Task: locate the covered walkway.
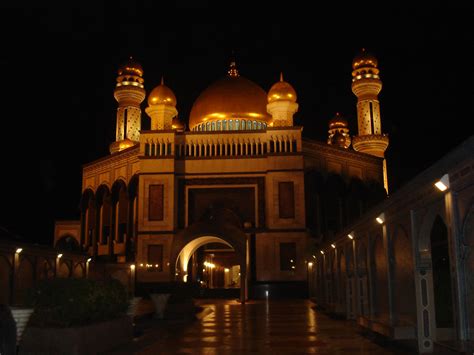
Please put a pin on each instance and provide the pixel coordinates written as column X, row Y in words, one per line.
column 260, row 327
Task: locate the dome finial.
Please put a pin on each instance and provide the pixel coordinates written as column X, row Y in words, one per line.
column 281, row 76
column 233, row 72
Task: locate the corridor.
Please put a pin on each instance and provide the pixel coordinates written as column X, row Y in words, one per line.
column 259, row 327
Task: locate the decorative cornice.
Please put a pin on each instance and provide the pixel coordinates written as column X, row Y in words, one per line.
column 314, row 147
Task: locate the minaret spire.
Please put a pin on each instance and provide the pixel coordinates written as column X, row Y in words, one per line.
column 366, row 85
column 129, row 93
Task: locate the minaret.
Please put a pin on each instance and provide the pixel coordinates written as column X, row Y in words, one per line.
column 129, row 93
column 366, row 85
column 339, row 132
column 161, row 107
column 282, row 103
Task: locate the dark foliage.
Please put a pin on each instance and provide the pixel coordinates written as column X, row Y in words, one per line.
column 75, row 302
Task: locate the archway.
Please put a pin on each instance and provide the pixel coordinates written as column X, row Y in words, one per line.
column 468, row 241
column 202, row 233
column 440, row 260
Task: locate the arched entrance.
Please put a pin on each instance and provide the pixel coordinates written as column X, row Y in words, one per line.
column 201, row 233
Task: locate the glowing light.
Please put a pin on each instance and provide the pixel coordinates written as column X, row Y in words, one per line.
column 333, row 246
column 310, row 264
column 291, row 261
column 266, row 293
column 18, row 251
column 293, row 267
column 443, row 183
column 322, row 252
column 314, row 256
column 60, row 256
column 141, row 265
column 226, row 270
column 350, row 236
column 156, row 265
column 89, row 260
column 380, row 218
column 132, row 267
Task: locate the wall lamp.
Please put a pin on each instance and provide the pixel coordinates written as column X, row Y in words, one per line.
column 333, row 246
column 443, row 183
column 350, row 236
column 381, row 218
column 18, row 251
column 60, row 256
column 322, row 252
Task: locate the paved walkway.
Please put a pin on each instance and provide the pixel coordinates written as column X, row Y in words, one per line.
column 259, row 327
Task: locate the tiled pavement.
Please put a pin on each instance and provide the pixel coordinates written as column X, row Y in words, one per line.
column 258, row 327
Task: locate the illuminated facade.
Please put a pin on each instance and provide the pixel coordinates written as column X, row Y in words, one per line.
column 241, row 180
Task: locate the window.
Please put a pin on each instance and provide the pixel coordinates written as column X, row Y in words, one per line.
column 287, row 256
column 155, row 203
column 286, row 199
column 155, row 257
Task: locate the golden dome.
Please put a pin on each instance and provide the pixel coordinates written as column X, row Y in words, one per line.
column 281, row 91
column 231, row 97
column 364, row 59
column 162, row 95
column 131, row 67
column 338, row 122
column 177, row 124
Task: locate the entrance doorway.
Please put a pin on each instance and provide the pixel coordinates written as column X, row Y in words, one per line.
column 214, row 257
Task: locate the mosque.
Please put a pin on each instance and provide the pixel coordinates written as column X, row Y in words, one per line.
column 237, row 198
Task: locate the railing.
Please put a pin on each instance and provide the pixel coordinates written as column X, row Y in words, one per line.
column 221, row 145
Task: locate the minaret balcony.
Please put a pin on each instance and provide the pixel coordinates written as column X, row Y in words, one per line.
column 373, row 144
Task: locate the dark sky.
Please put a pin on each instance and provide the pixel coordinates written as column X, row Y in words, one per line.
column 59, row 61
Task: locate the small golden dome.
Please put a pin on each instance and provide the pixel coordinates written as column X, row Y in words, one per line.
column 177, row 124
column 231, row 97
column 281, row 91
column 131, row 67
column 338, row 122
column 364, row 59
column 162, row 95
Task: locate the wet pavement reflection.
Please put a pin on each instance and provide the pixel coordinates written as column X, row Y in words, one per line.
column 265, row 327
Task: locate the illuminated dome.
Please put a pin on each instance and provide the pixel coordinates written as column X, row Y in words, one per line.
column 364, row 59
column 232, row 102
column 177, row 124
column 338, row 122
column 282, row 91
column 131, row 67
column 162, row 95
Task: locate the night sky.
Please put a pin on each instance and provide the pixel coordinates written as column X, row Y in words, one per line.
column 59, row 63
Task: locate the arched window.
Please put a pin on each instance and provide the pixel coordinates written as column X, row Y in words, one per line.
column 224, row 125
column 213, row 124
column 208, row 126
column 231, row 125
column 254, row 124
column 259, row 125
column 218, row 125
column 249, row 125
column 237, row 124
